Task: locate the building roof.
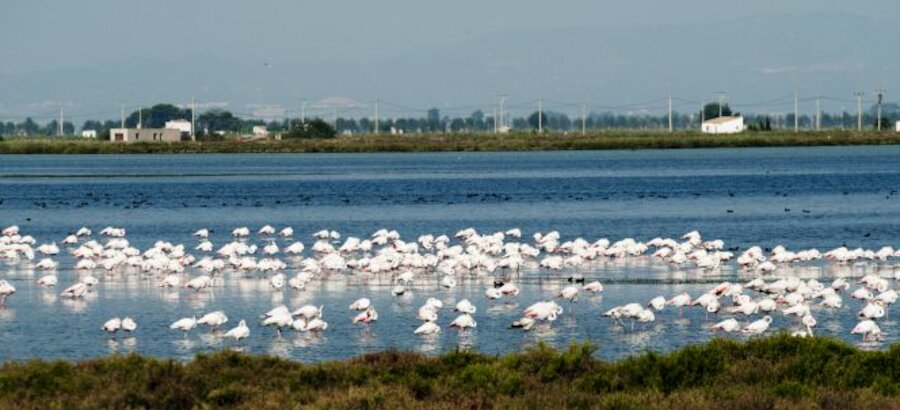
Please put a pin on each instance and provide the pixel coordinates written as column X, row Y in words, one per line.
column 721, row 120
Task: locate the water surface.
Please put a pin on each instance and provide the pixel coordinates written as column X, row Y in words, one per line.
column 798, row 197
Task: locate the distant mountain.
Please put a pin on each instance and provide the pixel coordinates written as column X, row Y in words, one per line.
column 754, row 59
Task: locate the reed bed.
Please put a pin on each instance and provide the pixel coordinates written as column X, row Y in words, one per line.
column 622, row 140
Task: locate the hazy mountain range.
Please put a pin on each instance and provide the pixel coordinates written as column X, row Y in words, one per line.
column 758, row 61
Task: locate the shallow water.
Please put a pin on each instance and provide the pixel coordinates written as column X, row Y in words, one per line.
column 799, row 197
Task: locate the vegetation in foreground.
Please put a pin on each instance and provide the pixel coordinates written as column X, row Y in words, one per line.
column 776, row 372
column 457, row 142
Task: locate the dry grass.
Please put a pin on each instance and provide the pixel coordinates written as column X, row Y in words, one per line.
column 778, row 372
column 460, row 142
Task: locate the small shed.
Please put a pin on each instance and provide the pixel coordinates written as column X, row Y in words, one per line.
column 723, row 125
column 260, row 130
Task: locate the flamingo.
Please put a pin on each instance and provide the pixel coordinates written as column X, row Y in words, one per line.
column 48, row 281
column 464, row 321
column 593, row 287
column 758, row 326
column 241, row 331
column 493, row 293
column 112, row 326
column 199, row 283
column 366, row 317
column 525, row 323
column 361, row 304
column 658, row 303
column 728, row 325
column 278, row 321
column 75, row 291
column 867, row 328
column 213, row 319
column 129, row 325
column 184, row 324
column 308, row 311
column 464, row 306
column 427, row 328
column 315, row 324
column 569, row 293
column 679, row 301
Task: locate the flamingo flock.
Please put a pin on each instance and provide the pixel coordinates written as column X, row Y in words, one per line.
column 499, row 261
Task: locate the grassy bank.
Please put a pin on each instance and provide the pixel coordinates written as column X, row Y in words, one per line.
column 460, row 142
column 777, row 372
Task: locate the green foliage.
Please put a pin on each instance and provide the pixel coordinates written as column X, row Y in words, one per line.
column 312, row 129
column 711, row 110
column 535, row 122
column 218, row 120
column 776, row 372
column 157, row 115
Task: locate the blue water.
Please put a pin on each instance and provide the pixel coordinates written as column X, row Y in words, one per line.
column 798, row 197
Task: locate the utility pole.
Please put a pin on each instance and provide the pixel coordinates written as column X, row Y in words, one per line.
column 880, row 94
column 702, row 114
column 583, row 119
column 540, row 116
column 670, row 113
column 193, row 119
column 60, row 121
column 376, row 116
column 502, row 113
column 140, row 116
column 122, row 114
column 796, row 113
column 495, row 120
column 818, row 114
column 859, row 95
column 303, row 112
column 721, row 101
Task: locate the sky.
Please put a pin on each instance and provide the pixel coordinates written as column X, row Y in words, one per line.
column 44, row 40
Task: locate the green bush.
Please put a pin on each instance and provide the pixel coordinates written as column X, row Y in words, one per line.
column 774, row 372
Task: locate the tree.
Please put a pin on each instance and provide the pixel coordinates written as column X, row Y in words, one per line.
column 51, row 128
column 885, row 123
column 533, row 120
column 457, row 125
column 219, row 120
column 434, row 119
column 92, row 125
column 711, row 110
column 316, row 128
column 29, row 127
column 157, row 115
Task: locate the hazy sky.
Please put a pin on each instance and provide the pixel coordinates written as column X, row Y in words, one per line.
column 41, row 34
column 262, row 58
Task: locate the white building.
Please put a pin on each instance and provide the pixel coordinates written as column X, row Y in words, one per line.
column 723, row 125
column 88, row 133
column 897, row 126
column 129, row 135
column 180, row 125
column 260, row 130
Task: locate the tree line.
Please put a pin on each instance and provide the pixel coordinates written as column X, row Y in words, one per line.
column 213, row 123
